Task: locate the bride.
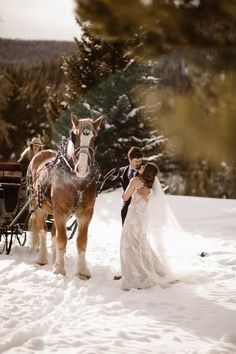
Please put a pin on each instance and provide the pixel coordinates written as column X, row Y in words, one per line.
column 154, row 249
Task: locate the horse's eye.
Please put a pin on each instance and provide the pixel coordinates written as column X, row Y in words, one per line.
column 76, row 131
column 86, row 131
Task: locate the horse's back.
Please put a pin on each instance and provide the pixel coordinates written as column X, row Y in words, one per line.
column 41, row 160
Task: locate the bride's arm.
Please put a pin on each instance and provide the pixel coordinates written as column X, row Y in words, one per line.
column 129, row 190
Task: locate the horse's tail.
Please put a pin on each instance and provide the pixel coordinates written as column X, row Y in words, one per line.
column 34, row 232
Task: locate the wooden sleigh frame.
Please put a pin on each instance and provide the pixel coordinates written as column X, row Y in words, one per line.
column 12, row 199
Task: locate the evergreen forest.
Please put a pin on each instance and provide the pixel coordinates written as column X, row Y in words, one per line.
column 176, row 105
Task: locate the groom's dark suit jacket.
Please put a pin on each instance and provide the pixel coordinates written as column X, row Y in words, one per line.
column 124, row 177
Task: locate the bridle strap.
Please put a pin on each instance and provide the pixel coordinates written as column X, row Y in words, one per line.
column 67, row 163
column 86, row 150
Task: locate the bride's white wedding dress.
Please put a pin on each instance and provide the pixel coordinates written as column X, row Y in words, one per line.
column 154, row 248
column 140, row 266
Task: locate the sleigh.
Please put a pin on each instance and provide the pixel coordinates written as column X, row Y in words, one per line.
column 12, row 200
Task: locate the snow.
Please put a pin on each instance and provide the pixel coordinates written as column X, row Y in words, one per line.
column 48, row 313
column 86, row 105
column 134, row 111
column 146, row 2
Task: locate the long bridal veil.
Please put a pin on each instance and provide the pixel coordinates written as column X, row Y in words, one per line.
column 177, row 249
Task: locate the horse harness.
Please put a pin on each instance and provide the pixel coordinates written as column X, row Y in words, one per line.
column 64, row 166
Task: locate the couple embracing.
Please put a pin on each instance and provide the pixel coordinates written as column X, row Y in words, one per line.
column 141, row 267
column 154, row 248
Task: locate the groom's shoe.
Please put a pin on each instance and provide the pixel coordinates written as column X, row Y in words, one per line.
column 117, row 277
column 203, row 254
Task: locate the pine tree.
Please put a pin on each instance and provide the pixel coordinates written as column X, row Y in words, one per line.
column 102, row 80
column 93, row 61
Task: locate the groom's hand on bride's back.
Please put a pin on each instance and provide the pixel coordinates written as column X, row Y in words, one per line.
column 143, row 192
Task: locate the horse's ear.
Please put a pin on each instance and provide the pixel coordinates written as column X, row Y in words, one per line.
column 74, row 120
column 97, row 123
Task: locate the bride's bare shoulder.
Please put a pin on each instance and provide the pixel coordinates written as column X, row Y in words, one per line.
column 136, row 181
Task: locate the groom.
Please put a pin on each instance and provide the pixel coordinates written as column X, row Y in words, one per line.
column 135, row 157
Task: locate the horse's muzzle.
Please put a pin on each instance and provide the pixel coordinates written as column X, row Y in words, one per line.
column 81, row 172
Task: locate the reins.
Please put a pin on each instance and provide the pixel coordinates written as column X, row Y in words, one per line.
column 105, row 178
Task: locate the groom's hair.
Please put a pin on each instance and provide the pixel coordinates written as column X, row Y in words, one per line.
column 135, row 153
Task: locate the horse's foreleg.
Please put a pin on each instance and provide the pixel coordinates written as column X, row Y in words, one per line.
column 61, row 240
column 43, row 253
column 38, row 228
column 82, row 270
column 32, row 226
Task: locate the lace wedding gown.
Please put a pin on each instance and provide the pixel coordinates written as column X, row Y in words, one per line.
column 140, row 266
column 154, row 247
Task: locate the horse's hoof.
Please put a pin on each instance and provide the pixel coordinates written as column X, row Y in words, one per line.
column 59, row 271
column 83, row 276
column 42, row 262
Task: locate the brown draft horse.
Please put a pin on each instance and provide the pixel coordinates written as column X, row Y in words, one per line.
column 64, row 183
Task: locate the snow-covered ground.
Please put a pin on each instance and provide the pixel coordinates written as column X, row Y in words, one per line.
column 48, row 313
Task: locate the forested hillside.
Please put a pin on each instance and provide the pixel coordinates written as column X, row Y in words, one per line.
column 28, row 69
column 15, row 52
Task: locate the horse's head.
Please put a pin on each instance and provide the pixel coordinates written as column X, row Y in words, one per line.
column 82, row 143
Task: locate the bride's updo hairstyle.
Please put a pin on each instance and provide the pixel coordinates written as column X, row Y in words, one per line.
column 149, row 173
